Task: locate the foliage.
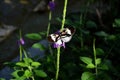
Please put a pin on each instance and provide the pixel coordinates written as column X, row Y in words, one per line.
column 27, row 69
column 92, row 54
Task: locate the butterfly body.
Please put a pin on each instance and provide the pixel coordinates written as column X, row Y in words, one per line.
column 60, row 38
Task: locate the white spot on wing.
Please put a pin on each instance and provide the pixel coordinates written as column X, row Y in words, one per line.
column 68, row 31
column 53, row 36
column 66, row 39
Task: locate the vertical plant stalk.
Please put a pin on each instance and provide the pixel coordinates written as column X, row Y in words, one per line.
column 20, row 46
column 48, row 28
column 20, row 51
column 58, row 63
column 30, row 69
column 33, row 78
column 58, row 49
column 64, row 14
column 95, row 57
column 25, row 54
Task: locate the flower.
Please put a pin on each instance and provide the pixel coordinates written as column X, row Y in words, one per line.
column 21, row 41
column 51, row 5
column 56, row 45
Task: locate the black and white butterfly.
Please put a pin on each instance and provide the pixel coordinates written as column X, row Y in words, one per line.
column 60, row 38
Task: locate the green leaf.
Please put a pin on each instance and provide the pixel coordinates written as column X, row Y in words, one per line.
column 111, row 37
column 14, row 74
column 27, row 60
column 2, row 79
column 38, row 45
column 103, row 67
column 101, row 34
column 116, row 23
column 85, row 32
column 10, row 64
column 90, row 66
column 91, row 24
column 42, row 33
column 98, row 61
column 28, row 73
column 21, row 64
column 86, row 60
column 35, row 64
column 17, row 73
column 40, row 73
column 99, row 51
column 33, row 36
column 87, row 76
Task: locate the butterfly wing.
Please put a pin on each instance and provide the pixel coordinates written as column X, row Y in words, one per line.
column 55, row 38
column 59, row 39
column 67, row 33
column 52, row 37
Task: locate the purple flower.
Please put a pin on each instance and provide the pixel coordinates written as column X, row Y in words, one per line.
column 56, row 45
column 21, row 41
column 51, row 5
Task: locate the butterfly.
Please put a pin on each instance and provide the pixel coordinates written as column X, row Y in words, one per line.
column 59, row 38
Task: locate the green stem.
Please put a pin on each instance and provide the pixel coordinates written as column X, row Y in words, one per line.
column 50, row 17
column 20, row 47
column 29, row 67
column 64, row 14
column 95, row 57
column 48, row 29
column 33, row 78
column 25, row 54
column 58, row 49
column 58, row 63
